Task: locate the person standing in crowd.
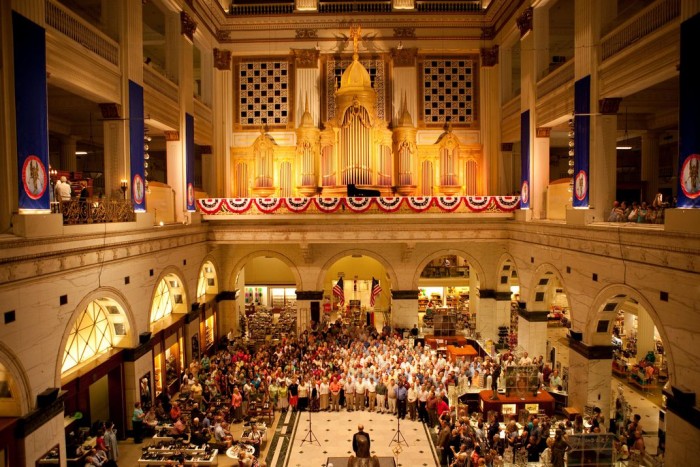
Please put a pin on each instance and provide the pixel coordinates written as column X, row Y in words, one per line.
column 111, row 441
column 381, row 395
column 401, row 396
column 349, row 394
column 137, row 422
column 371, row 387
column 391, row 396
column 334, row 388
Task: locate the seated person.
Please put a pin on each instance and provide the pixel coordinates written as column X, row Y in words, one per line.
column 95, row 458
column 150, row 421
column 244, row 460
column 179, row 429
column 222, row 435
column 255, row 437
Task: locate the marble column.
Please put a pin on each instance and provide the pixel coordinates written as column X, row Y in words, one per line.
column 69, row 161
column 489, row 93
column 222, row 116
column 645, row 333
column 650, row 165
column 486, row 315
column 227, row 311
column 116, row 164
column 540, row 173
column 590, row 376
column 532, row 332
column 404, row 308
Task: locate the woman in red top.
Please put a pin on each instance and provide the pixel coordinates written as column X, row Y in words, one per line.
column 175, row 412
column 236, row 401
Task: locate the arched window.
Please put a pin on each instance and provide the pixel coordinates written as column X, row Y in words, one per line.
column 99, row 328
column 168, row 298
column 9, row 398
column 206, row 284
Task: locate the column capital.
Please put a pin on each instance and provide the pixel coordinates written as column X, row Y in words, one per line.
column 306, row 58
column 609, row 105
column 524, row 22
column 171, row 135
column 591, row 352
column 404, row 294
column 489, row 56
column 187, row 25
column 309, row 294
column 222, row 59
column 404, row 56
column 488, row 33
column 543, row 132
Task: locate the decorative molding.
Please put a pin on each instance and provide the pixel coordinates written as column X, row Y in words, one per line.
column 187, row 25
column 533, row 316
column 222, row 59
column 309, row 294
column 681, row 402
column 306, row 58
column 524, row 22
column 543, row 132
column 171, row 135
column 507, row 147
column 223, row 36
column 404, row 33
column 591, row 352
column 488, row 33
column 111, row 110
column 404, row 294
column 306, row 33
column 489, row 56
column 609, row 105
column 404, row 56
column 39, row 417
column 226, row 295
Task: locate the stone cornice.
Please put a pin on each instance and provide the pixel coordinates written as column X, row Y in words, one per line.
column 309, row 294
column 591, row 352
column 404, row 294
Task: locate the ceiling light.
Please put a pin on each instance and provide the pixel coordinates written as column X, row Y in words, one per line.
column 81, row 153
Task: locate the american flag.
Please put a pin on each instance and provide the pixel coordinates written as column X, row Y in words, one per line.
column 339, row 291
column 376, row 290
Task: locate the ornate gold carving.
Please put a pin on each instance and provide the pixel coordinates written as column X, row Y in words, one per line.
column 110, row 110
column 404, row 56
column 222, row 59
column 488, row 33
column 524, row 22
column 306, row 33
column 405, row 33
column 609, row 105
column 543, row 132
column 306, row 58
column 223, row 36
column 489, row 56
column 171, row 135
column 187, row 25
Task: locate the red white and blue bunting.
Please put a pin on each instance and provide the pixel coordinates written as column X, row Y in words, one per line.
column 238, row 205
column 357, row 205
column 389, row 203
column 419, row 203
column 448, row 203
column 268, row 205
column 297, row 204
column 328, row 204
column 477, row 203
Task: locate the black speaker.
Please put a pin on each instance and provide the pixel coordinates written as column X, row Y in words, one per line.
column 316, row 311
column 144, row 337
column 46, row 397
column 576, row 335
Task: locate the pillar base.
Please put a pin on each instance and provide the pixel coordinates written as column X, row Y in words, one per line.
column 37, row 225
column 682, row 220
column 580, row 216
column 523, row 215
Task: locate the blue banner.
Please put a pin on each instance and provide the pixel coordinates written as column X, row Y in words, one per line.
column 689, row 122
column 31, row 114
column 525, row 160
column 136, row 134
column 582, row 141
column 189, row 160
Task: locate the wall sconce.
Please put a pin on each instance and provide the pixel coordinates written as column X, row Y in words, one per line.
column 123, row 186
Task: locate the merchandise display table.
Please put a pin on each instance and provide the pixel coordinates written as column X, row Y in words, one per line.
column 448, row 340
column 465, row 353
column 233, row 451
column 511, row 405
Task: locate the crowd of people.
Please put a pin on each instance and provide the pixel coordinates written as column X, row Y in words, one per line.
column 338, row 367
column 641, row 213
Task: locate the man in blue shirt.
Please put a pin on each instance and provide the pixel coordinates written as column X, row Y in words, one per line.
column 401, row 395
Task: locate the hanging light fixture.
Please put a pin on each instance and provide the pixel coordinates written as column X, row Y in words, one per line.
column 624, row 146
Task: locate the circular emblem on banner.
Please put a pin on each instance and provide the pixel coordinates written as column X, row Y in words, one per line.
column 190, row 194
column 34, row 177
column 581, row 185
column 525, row 193
column 690, row 176
column 138, row 189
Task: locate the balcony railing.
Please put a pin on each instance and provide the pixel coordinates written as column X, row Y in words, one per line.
column 95, row 212
column 556, row 79
column 265, row 9
column 449, row 6
column 647, row 21
column 160, row 83
column 74, row 27
column 355, row 7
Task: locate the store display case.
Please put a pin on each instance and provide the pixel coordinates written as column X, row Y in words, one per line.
column 591, row 450
column 191, row 455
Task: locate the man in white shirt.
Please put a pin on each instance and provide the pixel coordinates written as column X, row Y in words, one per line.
column 525, row 360
column 371, row 387
column 349, row 394
column 360, row 393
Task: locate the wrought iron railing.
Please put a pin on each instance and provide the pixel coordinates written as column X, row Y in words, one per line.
column 649, row 20
column 449, row 6
column 95, row 212
column 355, row 7
column 265, row 9
column 74, row 27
